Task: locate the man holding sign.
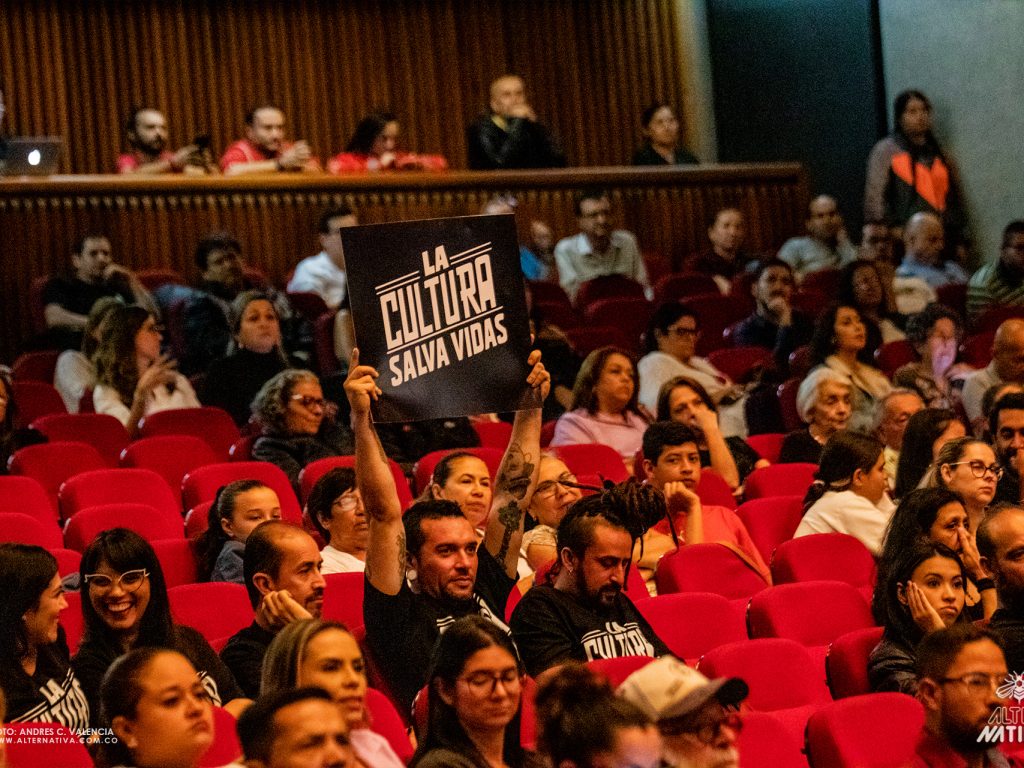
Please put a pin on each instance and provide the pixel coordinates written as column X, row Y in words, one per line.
column 427, row 569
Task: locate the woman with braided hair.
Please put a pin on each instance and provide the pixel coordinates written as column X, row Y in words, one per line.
column 582, row 612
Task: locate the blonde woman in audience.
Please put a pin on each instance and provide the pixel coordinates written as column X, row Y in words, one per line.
column 75, row 372
column 324, row 654
column 824, row 401
column 604, row 405
column 155, row 705
column 968, row 466
column 850, row 493
column 840, row 343
column 133, row 378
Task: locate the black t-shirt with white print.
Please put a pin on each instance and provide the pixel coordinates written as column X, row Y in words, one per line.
column 52, row 695
column 552, row 627
column 401, row 629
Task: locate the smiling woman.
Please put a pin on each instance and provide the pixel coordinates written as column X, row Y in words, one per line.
column 125, row 606
column 35, row 667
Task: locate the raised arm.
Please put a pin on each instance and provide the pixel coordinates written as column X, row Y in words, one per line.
column 517, row 475
column 385, row 555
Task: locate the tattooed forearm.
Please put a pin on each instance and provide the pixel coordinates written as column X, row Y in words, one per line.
column 511, row 517
column 516, row 472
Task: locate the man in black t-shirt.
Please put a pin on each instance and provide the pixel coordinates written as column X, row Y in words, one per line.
column 430, row 568
column 584, row 614
column 68, row 300
column 282, row 575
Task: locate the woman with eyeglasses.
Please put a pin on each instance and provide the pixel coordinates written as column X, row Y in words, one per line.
column 158, row 710
column 583, row 724
column 474, row 692
column 671, row 346
column 298, row 424
column 35, row 665
column 968, row 467
column 937, row 515
column 237, row 509
column 255, row 354
column 555, row 493
column 133, row 377
column 923, row 592
column 125, row 606
column 324, row 654
column 335, row 508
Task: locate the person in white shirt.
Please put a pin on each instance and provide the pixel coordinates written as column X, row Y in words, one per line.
column 324, row 275
column 336, row 510
column 133, row 378
column 850, row 493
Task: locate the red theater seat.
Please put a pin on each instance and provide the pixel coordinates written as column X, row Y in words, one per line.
column 846, row 663
column 105, row 433
column 607, row 287
column 738, row 362
column 385, row 721
column 813, row 613
column 767, row 445
column 151, row 523
column 679, row 285
column 825, row 556
column 72, row 620
column 214, row 425
column 36, row 366
column 780, row 480
column 202, row 484
column 707, row 568
column 617, row 670
column 27, row 529
column 115, row 486
column 343, row 598
column 771, row 521
column 593, row 459
column 177, row 561
column 692, row 623
column 216, row 609
column 493, row 434
column 53, row 463
column 714, row 491
column 878, row 730
column 170, row 456
column 35, row 399
column 26, row 495
column 226, row 749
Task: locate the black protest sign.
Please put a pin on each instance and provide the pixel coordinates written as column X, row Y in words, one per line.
column 439, row 310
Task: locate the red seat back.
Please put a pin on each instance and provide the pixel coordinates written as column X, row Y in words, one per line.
column 317, row 469
column 771, row 521
column 308, row 304
column 714, row 491
column 152, row 279
column 197, row 520
column 72, row 620
column 202, row 484
column 26, row 495
column 151, row 523
column 781, row 673
column 170, row 456
column 385, row 721
column 813, row 613
column 846, row 664
column 323, row 345
column 877, row 730
column 679, row 285
column 766, row 743
column 629, row 314
column 343, row 598
column 823, row 280
column 214, row 425
column 618, row 669
column 824, row 556
column 115, row 486
column 586, row 338
column 780, row 480
column 44, row 745
column 767, row 445
column 102, row 431
column 493, row 434
column 36, row 366
column 787, row 402
column 68, row 561
column 607, row 287
column 738, row 362
column 710, row 621
column 35, row 399
column 714, row 314
column 177, row 561
column 425, row 466
column 53, row 463
column 216, row 609
column 593, row 459
column 26, row 529
column 893, row 355
column 707, row 568
column 226, row 748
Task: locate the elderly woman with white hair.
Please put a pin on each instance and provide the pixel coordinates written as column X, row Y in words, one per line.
column 825, row 403
column 298, row 424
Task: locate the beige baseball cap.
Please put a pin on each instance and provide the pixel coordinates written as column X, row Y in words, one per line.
column 667, row 688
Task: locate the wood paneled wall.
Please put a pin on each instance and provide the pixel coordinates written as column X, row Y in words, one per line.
column 75, row 69
column 157, row 222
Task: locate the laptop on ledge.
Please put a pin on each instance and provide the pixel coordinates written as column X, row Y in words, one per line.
column 31, row 156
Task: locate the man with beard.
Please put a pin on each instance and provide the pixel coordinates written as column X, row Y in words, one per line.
column 264, row 148
column 826, row 245
column 430, row 567
column 582, row 614
column 1000, row 540
column 1006, row 425
column 147, row 137
column 774, row 324
column 699, row 719
column 598, row 249
column 961, row 669
column 281, row 568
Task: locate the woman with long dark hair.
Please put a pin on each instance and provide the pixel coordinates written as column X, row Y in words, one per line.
column 923, row 592
column 35, row 665
column 850, row 491
column 937, row 515
column 908, row 172
column 374, row 146
column 660, row 128
column 237, row 509
column 133, row 377
column 604, row 405
column 868, row 286
column 473, row 701
column 927, row 431
column 125, row 606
